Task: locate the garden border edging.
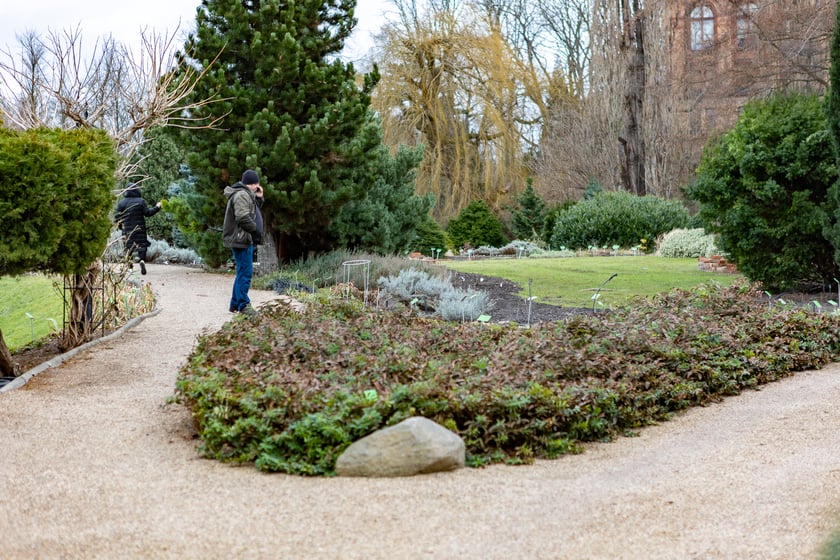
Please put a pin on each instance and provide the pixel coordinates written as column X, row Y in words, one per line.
column 24, row 378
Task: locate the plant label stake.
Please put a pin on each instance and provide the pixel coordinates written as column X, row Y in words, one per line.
column 530, row 299
column 598, row 293
column 31, row 325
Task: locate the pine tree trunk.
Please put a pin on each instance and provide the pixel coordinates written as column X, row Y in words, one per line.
column 7, row 366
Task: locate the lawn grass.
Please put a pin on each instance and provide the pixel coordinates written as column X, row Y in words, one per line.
column 573, row 281
column 34, row 294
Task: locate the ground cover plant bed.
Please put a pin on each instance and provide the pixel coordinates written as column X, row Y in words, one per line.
column 290, row 391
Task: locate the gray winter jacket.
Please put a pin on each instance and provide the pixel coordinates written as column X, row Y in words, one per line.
column 240, row 229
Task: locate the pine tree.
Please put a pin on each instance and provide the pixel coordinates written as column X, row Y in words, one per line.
column 387, row 219
column 292, row 111
column 528, row 218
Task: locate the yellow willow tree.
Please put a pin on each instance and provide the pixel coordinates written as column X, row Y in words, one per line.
column 451, row 82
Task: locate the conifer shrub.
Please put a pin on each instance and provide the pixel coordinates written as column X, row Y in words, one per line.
column 55, row 199
column 528, row 216
column 616, row 218
column 687, row 243
column 429, row 235
column 475, row 226
column 764, row 187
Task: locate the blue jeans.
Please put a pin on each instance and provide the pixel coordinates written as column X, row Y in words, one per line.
column 244, row 259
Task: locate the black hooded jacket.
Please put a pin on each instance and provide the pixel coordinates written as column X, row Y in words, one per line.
column 131, row 215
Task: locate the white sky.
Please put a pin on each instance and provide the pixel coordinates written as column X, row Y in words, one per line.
column 125, row 19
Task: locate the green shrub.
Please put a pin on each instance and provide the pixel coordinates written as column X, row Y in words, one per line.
column 687, row 243
column 763, row 187
column 476, row 225
column 385, row 219
column 55, row 199
column 528, row 217
column 429, row 234
column 551, row 219
column 616, row 218
column 304, row 385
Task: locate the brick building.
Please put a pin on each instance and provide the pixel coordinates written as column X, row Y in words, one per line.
column 725, row 52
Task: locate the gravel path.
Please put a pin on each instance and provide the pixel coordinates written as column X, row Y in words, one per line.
column 96, row 464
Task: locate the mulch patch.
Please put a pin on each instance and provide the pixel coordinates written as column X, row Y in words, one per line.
column 27, row 358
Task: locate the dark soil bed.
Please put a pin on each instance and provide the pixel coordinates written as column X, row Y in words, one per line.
column 510, row 307
column 30, row 357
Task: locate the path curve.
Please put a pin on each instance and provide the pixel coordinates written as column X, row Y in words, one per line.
column 95, row 464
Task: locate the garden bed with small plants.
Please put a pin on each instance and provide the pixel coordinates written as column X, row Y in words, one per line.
column 290, row 391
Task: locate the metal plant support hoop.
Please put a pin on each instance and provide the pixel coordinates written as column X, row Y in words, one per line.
column 363, row 267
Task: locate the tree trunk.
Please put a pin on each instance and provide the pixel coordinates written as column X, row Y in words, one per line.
column 7, row 366
column 80, row 321
column 632, row 140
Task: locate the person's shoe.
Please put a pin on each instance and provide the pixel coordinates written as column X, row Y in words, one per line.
column 233, row 310
column 248, row 311
column 142, row 267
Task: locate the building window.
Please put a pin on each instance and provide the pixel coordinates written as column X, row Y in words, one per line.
column 746, row 28
column 702, row 28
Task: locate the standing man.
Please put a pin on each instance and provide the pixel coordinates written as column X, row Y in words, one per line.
column 242, row 230
column 131, row 215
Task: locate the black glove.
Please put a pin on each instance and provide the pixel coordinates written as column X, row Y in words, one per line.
column 256, row 238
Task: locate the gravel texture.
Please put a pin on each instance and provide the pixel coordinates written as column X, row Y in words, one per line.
column 96, row 463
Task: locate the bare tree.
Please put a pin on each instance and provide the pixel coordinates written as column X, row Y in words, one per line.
column 55, row 82
column 790, row 37
column 570, row 22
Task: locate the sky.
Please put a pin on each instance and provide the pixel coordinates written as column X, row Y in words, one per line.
column 125, row 19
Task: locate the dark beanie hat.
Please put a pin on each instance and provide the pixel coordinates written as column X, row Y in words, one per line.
column 250, row 177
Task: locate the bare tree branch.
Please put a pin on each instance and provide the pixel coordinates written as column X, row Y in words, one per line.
column 57, row 83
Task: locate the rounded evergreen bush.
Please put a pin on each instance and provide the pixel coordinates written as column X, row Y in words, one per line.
column 617, row 218
column 764, row 188
column 476, row 225
column 429, row 234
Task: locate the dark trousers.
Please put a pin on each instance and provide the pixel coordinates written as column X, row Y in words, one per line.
column 244, row 259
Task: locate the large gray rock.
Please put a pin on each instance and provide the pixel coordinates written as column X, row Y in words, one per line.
column 414, row 446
